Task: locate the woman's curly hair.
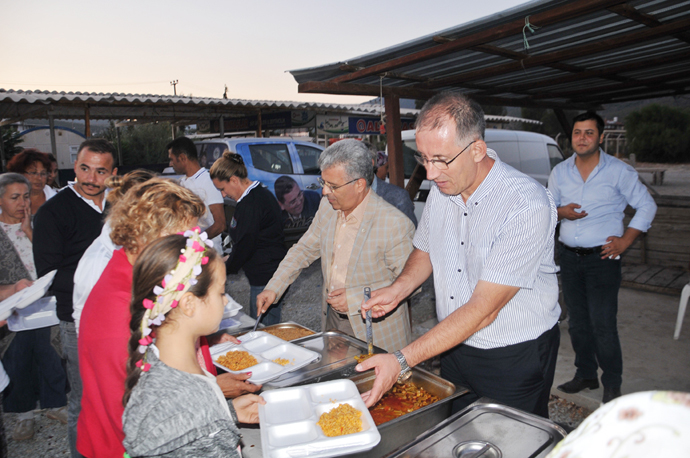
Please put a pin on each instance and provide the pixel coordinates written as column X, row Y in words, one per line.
column 151, row 209
column 118, row 185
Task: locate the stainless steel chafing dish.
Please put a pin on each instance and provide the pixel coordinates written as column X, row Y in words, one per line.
column 399, row 431
column 288, row 325
column 486, row 430
column 337, row 359
column 339, row 363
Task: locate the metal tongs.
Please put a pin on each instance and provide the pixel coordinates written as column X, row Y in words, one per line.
column 370, row 334
column 256, row 325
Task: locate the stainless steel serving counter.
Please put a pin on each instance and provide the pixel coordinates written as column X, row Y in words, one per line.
column 487, row 430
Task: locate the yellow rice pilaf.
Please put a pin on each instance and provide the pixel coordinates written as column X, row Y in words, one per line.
column 342, row 420
column 237, row 360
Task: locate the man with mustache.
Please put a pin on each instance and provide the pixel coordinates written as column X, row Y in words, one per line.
column 64, row 227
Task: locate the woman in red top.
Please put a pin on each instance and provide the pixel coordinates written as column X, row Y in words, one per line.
column 148, row 211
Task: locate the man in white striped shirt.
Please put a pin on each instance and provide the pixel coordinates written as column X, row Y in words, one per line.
column 487, row 233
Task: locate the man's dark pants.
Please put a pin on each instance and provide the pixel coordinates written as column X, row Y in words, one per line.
column 590, row 289
column 517, row 375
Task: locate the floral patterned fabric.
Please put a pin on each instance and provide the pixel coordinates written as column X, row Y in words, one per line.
column 22, row 244
column 646, row 424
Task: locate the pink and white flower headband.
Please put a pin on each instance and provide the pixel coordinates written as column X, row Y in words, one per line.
column 173, row 287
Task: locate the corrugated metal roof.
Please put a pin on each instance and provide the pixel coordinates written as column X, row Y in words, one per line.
column 583, row 53
column 16, row 105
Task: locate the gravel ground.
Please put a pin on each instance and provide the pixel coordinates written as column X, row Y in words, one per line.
column 50, row 439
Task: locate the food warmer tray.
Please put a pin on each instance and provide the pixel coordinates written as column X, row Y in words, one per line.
column 289, row 419
column 286, row 325
column 400, row 431
column 337, row 353
column 495, row 430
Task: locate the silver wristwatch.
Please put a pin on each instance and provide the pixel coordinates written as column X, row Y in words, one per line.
column 405, row 371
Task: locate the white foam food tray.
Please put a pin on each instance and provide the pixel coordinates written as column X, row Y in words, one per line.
column 265, row 348
column 288, row 421
column 27, row 296
column 231, row 308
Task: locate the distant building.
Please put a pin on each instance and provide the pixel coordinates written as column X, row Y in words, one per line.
column 67, row 141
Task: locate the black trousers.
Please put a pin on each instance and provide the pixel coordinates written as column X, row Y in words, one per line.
column 517, row 375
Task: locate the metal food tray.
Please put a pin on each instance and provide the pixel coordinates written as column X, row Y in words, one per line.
column 286, row 325
column 289, row 419
column 337, row 359
column 401, row 430
column 265, row 348
column 495, row 430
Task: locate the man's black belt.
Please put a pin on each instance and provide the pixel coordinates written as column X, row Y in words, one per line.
column 583, row 251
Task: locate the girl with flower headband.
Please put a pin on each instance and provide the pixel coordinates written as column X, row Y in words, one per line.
column 173, row 406
column 148, row 211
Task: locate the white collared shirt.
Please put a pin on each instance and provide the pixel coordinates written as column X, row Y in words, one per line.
column 503, row 234
column 90, row 202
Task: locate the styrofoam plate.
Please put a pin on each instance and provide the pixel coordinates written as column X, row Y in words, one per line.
column 40, row 314
column 265, row 348
column 232, row 307
column 27, row 296
column 288, row 421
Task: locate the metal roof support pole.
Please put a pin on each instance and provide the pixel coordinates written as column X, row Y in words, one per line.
column 563, row 121
column 87, row 121
column 258, row 125
column 394, row 139
column 222, row 126
column 53, row 143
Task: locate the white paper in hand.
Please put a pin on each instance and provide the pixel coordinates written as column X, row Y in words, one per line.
column 26, row 296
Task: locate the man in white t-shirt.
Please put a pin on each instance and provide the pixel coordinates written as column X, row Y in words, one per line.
column 185, row 161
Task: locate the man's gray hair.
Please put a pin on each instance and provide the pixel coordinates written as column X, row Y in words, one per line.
column 7, row 179
column 467, row 114
column 353, row 156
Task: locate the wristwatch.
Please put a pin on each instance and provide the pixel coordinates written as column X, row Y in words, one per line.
column 405, row 371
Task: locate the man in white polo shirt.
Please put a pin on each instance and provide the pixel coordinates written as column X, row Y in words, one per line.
column 487, row 233
column 185, row 161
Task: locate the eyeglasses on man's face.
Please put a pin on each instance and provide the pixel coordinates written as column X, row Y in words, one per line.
column 439, row 163
column 333, row 187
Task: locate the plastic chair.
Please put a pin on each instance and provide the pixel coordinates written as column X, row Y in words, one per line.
column 684, row 296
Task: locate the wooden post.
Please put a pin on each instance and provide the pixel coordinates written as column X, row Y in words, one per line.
column 393, row 135
column 418, row 175
column 258, row 126
column 2, row 152
column 119, row 146
column 222, row 126
column 53, row 143
column 87, row 122
column 563, row 121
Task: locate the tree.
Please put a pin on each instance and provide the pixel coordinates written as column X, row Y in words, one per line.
column 10, row 141
column 659, row 133
column 143, row 143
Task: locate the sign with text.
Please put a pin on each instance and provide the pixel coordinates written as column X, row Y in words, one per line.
column 372, row 126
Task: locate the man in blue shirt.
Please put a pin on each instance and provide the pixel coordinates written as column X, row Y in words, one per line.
column 591, row 190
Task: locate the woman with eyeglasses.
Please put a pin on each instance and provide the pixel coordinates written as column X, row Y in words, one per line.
column 35, row 166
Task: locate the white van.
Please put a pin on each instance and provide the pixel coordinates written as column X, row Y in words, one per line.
column 532, row 153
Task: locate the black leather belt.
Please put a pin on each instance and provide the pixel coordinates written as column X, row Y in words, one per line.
column 583, row 251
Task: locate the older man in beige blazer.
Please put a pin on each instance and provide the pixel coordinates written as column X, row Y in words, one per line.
column 361, row 240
